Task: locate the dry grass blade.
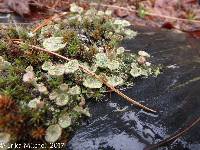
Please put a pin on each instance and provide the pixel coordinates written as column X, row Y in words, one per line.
column 89, row 72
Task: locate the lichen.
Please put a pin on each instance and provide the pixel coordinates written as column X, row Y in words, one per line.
column 33, row 103
column 75, row 90
column 120, row 50
column 75, row 9
column 113, row 65
column 82, row 111
column 101, row 60
column 92, row 83
column 50, row 94
column 54, row 43
column 71, row 66
column 29, row 76
column 143, row 53
column 115, row 81
column 60, row 96
column 42, row 88
column 53, row 133
column 65, row 120
column 4, row 64
column 4, row 137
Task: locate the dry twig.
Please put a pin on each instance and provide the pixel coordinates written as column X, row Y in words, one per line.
column 89, row 72
column 47, row 21
column 173, row 136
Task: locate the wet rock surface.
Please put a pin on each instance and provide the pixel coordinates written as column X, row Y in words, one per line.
column 116, row 125
column 8, row 18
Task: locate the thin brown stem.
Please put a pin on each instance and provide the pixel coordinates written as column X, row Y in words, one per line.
column 55, row 4
column 89, row 72
column 173, row 136
column 47, row 21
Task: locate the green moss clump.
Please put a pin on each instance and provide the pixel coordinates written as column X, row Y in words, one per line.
column 73, row 47
column 2, row 45
column 12, row 33
column 24, row 47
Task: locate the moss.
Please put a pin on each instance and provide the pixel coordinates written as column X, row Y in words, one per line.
column 73, row 23
column 11, row 118
column 97, row 34
column 55, row 82
column 12, row 33
column 142, row 11
column 43, row 57
column 73, row 47
column 2, row 46
column 86, row 24
column 37, row 117
column 68, row 35
column 24, row 47
column 113, row 43
column 23, row 34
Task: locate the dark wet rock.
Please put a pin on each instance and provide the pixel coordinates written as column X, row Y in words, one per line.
column 115, row 125
column 8, row 18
